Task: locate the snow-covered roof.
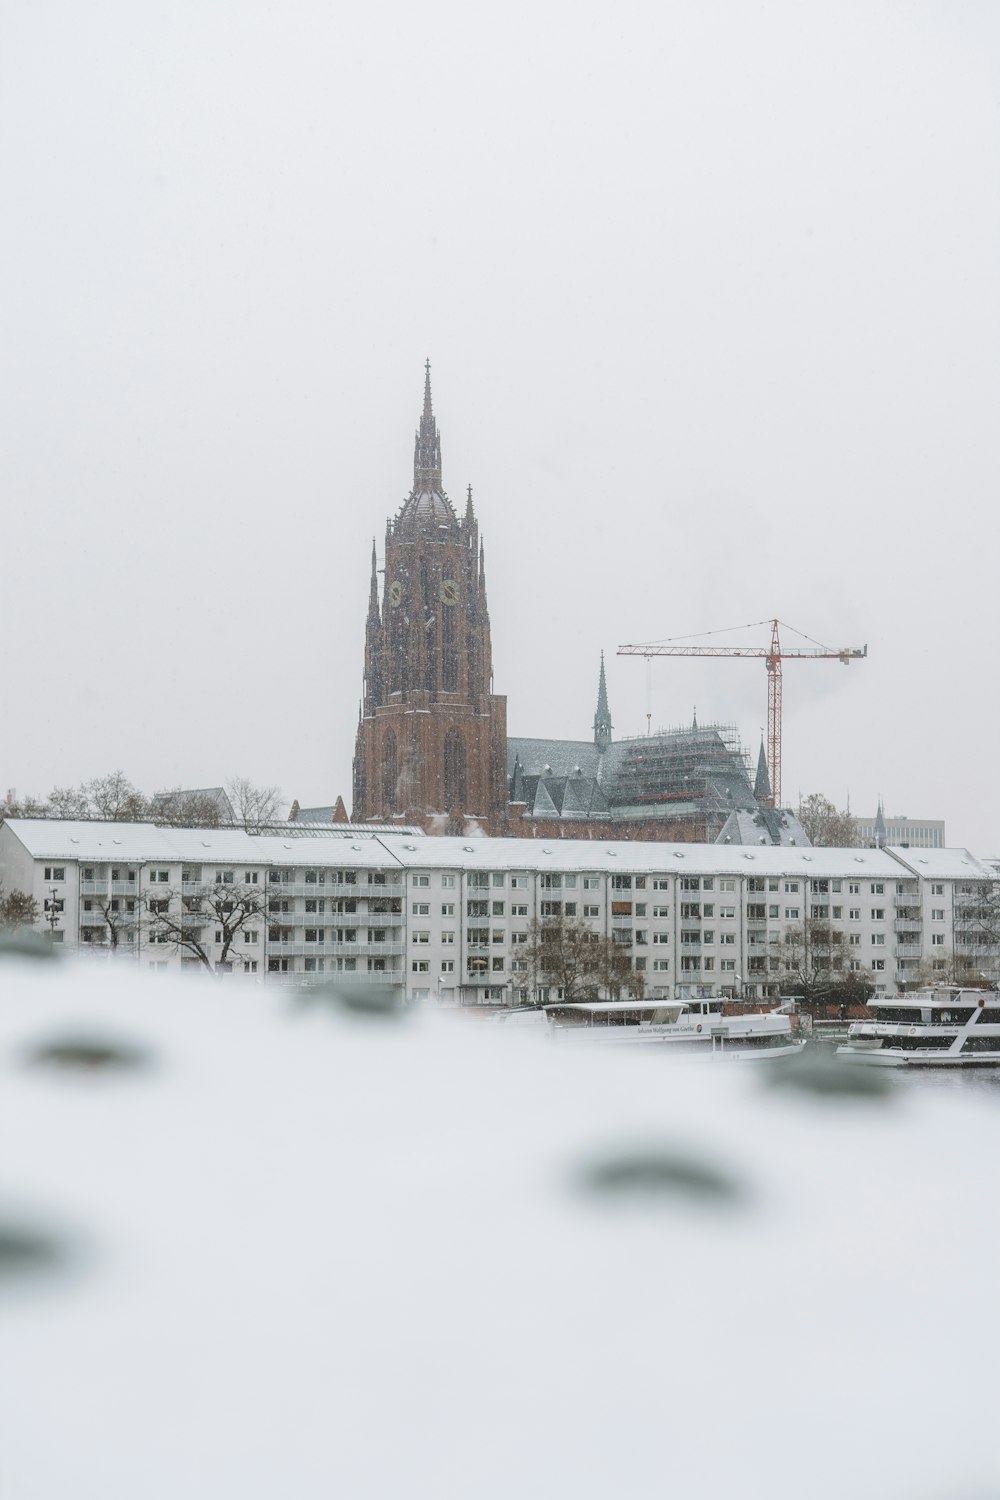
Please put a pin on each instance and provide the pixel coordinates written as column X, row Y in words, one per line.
column 943, row 864
column 143, row 842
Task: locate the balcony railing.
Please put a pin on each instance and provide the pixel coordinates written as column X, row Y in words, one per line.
column 335, row 950
column 907, row 924
column 93, row 887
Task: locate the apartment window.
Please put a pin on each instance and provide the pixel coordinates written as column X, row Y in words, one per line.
column 791, row 913
column 937, row 939
column 727, row 911
column 498, row 934
column 708, row 965
column 518, row 938
column 315, row 934
column 520, row 909
column 823, row 886
column 447, row 966
column 936, row 890
column 222, row 877
column 315, row 906
column 728, row 939
column 838, row 912
column 878, row 963
column 447, row 908
column 58, row 872
column 421, row 966
column 447, row 882
column 448, row 939
column 421, row 908
column 835, row 886
column 250, row 877
column 729, row 965
column 690, row 964
column 519, row 882
column 661, row 883
column 421, row 938
column 312, row 964
column 878, row 939
column 551, row 908
column 690, row 883
column 855, row 965
column 854, row 939
column 819, row 913
column 621, row 882
column 661, row 937
column 276, row 877
column 640, row 965
column 591, row 883
column 425, row 880
column 498, row 879
column 570, row 909
column 661, row 965
column 854, row 888
column 158, row 906
column 756, row 911
column 497, row 965
column 315, row 877
column 727, row 885
column 591, row 911
column 498, row 909
column 691, row 909
column 772, row 911
column 774, row 885
column 708, row 936
column 878, row 887
column 755, row 884
column 937, row 913
column 708, row 883
column 641, row 936
column 855, row 913
column 878, row 913
column 277, row 966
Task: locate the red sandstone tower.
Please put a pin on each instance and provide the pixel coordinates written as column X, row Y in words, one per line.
column 431, row 746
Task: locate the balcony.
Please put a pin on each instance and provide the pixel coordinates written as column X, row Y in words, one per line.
column 907, row 898
column 124, row 888
column 907, row 924
column 94, row 887
column 336, row 950
column 909, row 950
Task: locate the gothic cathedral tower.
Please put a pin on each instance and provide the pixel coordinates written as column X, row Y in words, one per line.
column 431, row 746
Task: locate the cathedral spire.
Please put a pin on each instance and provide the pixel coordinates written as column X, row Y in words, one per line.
column 602, row 718
column 762, row 783
column 469, row 513
column 427, row 446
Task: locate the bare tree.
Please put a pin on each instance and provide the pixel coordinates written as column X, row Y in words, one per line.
column 114, row 799
column 180, row 809
column 179, row 920
column 17, row 910
column 68, row 802
column 254, row 807
column 826, row 827
column 566, row 954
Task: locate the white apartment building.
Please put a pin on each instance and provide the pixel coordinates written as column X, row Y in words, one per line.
column 918, row 833
column 449, row 918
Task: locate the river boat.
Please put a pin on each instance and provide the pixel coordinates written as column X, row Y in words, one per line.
column 945, row 1027
column 689, row 1028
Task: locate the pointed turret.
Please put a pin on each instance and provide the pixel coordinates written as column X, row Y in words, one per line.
column 602, row 718
column 470, row 514
column 762, row 783
column 880, row 828
column 694, row 722
column 373, row 614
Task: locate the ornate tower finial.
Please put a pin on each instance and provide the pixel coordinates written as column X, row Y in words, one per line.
column 469, row 514
column 427, row 447
column 602, row 718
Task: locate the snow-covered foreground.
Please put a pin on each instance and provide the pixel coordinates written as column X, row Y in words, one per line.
column 290, row 1251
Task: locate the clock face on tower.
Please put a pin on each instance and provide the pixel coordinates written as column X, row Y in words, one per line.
column 449, row 591
column 395, row 591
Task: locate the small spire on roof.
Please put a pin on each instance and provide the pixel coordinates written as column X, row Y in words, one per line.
column 602, row 718
column 469, row 513
column 762, row 783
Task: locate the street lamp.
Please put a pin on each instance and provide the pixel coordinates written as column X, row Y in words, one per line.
column 53, row 914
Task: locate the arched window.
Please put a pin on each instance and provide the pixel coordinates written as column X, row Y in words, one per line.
column 390, row 772
column 455, row 795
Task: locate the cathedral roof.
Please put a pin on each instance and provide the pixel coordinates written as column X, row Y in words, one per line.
column 426, row 511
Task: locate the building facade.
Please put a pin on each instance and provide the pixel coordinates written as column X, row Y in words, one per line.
column 450, row 918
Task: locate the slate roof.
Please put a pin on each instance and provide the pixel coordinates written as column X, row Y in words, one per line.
column 765, row 826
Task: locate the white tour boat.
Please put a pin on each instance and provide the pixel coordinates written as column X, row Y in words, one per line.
column 690, row 1028
column 946, row 1027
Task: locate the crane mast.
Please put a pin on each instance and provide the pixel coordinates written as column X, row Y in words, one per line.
column 773, row 656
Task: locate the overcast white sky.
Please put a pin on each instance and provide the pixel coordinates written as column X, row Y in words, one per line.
column 711, row 298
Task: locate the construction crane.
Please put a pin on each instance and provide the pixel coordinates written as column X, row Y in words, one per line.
column 773, row 656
